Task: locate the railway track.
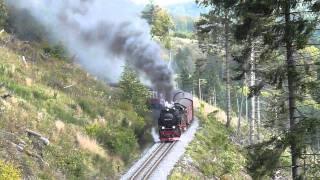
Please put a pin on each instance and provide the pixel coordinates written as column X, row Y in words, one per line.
column 150, row 164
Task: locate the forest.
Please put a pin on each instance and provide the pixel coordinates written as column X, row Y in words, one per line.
column 254, row 67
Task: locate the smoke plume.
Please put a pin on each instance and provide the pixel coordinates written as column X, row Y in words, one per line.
column 103, row 34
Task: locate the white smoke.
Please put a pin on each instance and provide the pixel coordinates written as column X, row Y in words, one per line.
column 103, row 35
column 155, row 135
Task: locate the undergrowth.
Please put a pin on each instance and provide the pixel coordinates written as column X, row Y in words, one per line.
column 211, row 154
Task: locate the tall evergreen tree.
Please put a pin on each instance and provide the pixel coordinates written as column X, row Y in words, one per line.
column 133, row 91
column 285, row 27
column 222, row 12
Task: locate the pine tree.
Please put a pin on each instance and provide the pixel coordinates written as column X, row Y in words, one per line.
column 284, row 28
column 222, row 12
column 133, row 91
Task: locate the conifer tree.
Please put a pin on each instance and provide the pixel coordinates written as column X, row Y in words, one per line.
column 285, row 29
column 219, row 18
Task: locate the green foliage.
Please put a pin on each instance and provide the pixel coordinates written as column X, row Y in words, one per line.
column 133, row 91
column 56, row 51
column 162, row 26
column 3, row 14
column 149, row 12
column 212, row 151
column 260, row 20
column 183, row 60
column 9, row 172
column 185, row 81
column 39, row 101
column 64, row 115
column 86, row 104
column 184, row 67
column 264, row 158
column 71, row 164
column 160, row 21
column 121, row 141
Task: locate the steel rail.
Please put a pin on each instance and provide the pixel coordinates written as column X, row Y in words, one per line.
column 156, row 164
column 154, row 160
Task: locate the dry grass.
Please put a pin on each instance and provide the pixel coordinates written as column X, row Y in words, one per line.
column 60, row 126
column 220, row 115
column 90, row 145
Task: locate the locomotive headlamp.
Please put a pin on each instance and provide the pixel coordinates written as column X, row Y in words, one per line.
column 162, row 127
column 173, row 127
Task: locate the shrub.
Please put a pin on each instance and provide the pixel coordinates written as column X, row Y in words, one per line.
column 56, row 51
column 21, row 91
column 213, row 151
column 91, row 107
column 133, row 91
column 69, row 161
column 63, row 114
column 3, row 14
column 9, row 171
column 119, row 140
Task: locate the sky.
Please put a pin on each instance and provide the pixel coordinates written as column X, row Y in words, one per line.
column 162, row 2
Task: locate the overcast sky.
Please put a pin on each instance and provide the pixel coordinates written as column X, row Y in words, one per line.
column 162, row 2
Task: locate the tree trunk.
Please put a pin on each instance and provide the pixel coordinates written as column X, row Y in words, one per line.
column 292, row 88
column 241, row 109
column 227, row 53
column 253, row 98
column 246, row 84
column 258, row 117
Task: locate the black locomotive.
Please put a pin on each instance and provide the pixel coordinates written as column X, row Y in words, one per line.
column 175, row 118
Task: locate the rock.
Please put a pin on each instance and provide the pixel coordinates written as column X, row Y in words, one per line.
column 227, row 177
column 39, row 136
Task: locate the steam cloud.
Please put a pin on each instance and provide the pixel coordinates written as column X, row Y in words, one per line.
column 103, row 34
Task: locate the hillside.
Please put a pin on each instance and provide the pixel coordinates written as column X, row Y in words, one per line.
column 82, row 129
column 214, row 152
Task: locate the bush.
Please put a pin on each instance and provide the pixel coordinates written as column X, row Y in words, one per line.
column 119, row 140
column 213, row 152
column 21, row 91
column 91, row 107
column 56, row 51
column 122, row 142
column 9, row 171
column 133, row 91
column 69, row 161
column 3, row 14
column 64, row 115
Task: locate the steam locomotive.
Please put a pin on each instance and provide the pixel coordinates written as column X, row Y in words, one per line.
column 175, row 118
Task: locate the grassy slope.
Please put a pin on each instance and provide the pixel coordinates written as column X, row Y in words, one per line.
column 40, row 102
column 211, row 154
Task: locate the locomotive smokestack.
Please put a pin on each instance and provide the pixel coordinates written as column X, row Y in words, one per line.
column 103, row 35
